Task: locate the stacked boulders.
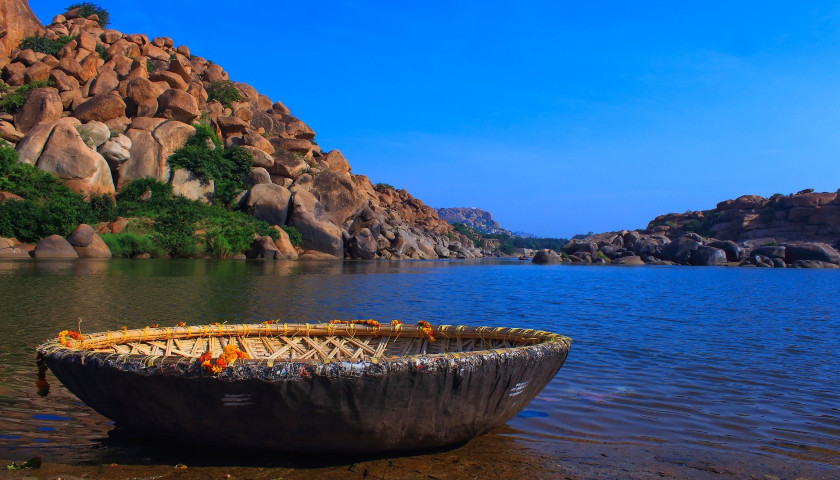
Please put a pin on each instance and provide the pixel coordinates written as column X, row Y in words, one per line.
column 635, row 248
column 118, row 105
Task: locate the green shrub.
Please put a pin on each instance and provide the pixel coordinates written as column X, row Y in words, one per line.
column 13, row 101
column 294, row 235
column 45, row 45
column 87, row 9
column 128, row 244
column 224, row 91
column 151, row 65
column 144, row 197
column 385, row 185
column 101, row 51
column 227, row 168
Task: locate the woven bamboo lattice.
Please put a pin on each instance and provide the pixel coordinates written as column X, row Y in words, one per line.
column 270, row 342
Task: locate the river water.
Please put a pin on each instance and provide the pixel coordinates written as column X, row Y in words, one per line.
column 688, row 372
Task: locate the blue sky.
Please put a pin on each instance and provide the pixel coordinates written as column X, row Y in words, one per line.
column 558, row 117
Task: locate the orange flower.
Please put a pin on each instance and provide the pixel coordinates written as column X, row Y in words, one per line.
column 426, row 328
column 396, row 322
column 372, row 323
column 180, row 324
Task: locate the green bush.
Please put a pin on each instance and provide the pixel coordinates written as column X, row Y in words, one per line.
column 185, row 228
column 87, row 9
column 128, row 244
column 101, row 51
column 385, row 185
column 294, row 235
column 151, row 65
column 45, row 45
column 13, row 101
column 224, row 91
column 227, row 168
column 48, row 206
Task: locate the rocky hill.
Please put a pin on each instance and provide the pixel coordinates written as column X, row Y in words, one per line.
column 106, row 108
column 805, row 216
column 797, row 230
column 475, row 218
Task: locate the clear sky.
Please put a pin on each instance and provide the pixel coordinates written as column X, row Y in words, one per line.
column 558, row 117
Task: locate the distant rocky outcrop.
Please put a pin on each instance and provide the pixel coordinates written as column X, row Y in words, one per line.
column 118, row 105
column 799, row 230
column 806, row 216
column 475, row 218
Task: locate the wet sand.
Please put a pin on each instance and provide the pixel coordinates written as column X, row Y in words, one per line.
column 499, row 455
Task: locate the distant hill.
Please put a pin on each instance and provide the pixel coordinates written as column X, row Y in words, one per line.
column 475, row 218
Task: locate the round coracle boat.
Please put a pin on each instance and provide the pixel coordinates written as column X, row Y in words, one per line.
column 343, row 387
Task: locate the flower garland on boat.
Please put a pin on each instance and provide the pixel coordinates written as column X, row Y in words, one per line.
column 371, row 323
column 215, row 365
column 65, row 334
column 426, row 328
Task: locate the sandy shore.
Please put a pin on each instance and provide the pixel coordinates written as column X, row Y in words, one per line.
column 494, row 456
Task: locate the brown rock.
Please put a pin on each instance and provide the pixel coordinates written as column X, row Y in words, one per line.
column 38, row 72
column 96, row 249
column 18, row 22
column 139, row 89
column 54, row 246
column 298, row 129
column 304, row 147
column 66, row 156
column 30, row 148
column 63, row 81
column 71, row 67
column 40, row 105
column 172, row 79
column 257, row 176
column 183, row 50
column 270, row 203
column 118, row 225
column 231, row 125
column 177, row 105
column 318, row 232
column 261, row 159
column 104, row 83
column 5, row 196
column 152, row 51
column 287, row 164
column 27, row 57
column 144, row 159
column 81, row 236
column 116, row 150
column 284, row 246
column 88, row 67
column 336, row 162
column 14, row 69
column 338, row 197
column 182, row 68
column 101, row 108
column 146, row 123
column 70, row 98
column 254, row 139
column 171, row 136
column 110, row 36
column 263, row 248
column 86, row 41
column 10, row 134
column 147, row 108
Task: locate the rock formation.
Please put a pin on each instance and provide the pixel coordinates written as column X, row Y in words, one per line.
column 118, row 105
column 479, row 220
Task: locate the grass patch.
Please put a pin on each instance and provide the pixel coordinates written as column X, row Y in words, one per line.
column 127, row 244
column 294, row 234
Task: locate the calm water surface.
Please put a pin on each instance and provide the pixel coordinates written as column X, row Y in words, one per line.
column 718, row 361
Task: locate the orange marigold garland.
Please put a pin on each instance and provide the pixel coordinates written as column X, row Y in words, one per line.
column 180, row 324
column 215, row 365
column 426, row 328
column 65, row 335
column 396, row 322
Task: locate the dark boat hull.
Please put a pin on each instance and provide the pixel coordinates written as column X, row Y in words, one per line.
column 367, row 407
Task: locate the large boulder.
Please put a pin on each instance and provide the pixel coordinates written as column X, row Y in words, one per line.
column 54, row 246
column 100, row 108
column 679, row 250
column 31, row 146
column 284, row 245
column 811, row 251
column 734, row 253
column 40, row 105
column 116, row 150
column 628, row 260
column 336, row 162
column 177, row 105
column 339, row 196
column 270, row 203
column 17, row 22
column 708, row 256
column 66, row 156
column 263, row 248
column 87, row 243
column 144, row 159
column 547, row 257
column 318, row 232
column 362, row 245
